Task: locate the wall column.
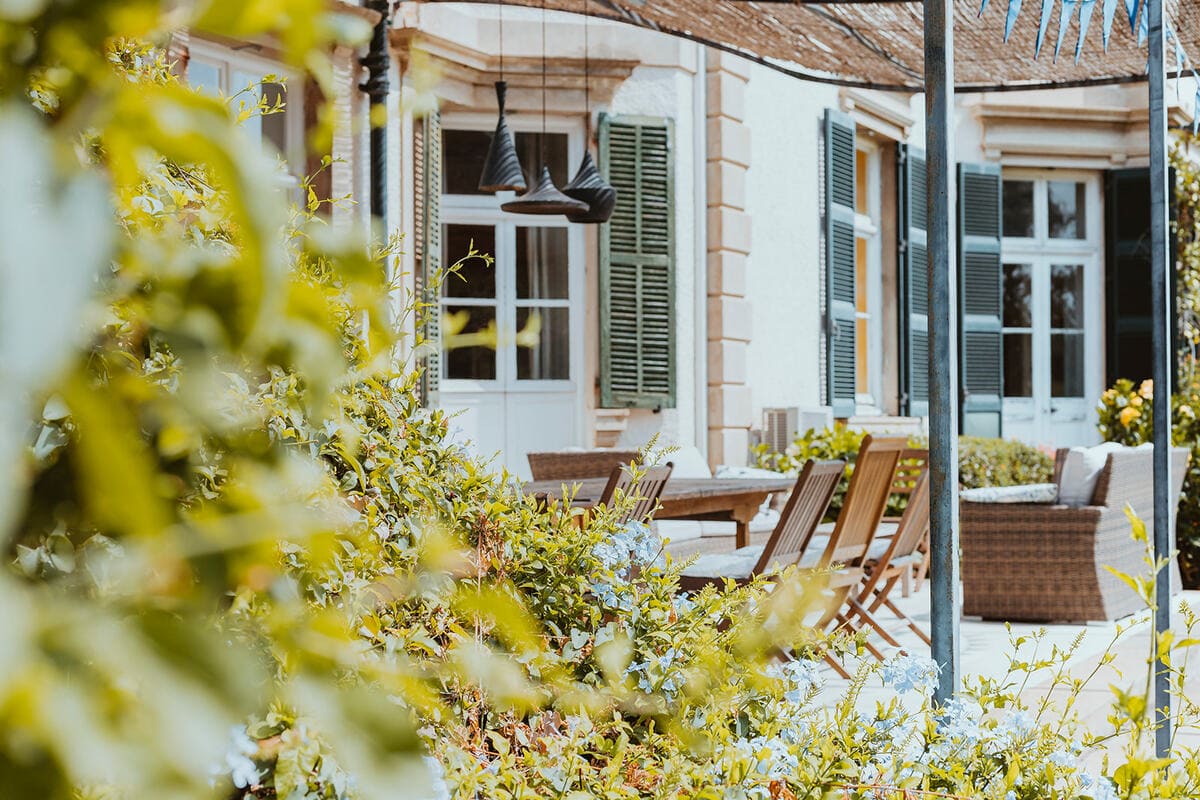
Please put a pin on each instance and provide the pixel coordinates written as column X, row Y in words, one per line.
column 729, row 322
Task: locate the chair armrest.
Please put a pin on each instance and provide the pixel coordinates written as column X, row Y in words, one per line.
column 1028, row 518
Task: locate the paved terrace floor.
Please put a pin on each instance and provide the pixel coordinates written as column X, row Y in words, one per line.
column 985, row 649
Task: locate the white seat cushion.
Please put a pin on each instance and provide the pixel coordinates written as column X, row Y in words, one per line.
column 677, row 530
column 1080, row 471
column 738, row 564
column 1029, row 493
column 886, row 529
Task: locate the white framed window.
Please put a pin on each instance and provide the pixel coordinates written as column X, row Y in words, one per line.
column 240, row 76
column 1052, row 304
column 534, row 286
column 868, row 264
column 513, row 393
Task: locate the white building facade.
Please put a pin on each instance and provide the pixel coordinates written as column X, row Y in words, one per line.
column 764, row 270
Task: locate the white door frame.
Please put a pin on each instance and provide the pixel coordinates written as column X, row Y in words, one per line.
column 485, row 210
column 1040, row 252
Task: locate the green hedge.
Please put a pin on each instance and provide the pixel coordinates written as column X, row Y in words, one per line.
column 981, row 462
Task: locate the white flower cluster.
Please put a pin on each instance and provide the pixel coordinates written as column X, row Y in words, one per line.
column 237, row 764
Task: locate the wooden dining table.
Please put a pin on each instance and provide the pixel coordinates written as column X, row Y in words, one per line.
column 734, row 500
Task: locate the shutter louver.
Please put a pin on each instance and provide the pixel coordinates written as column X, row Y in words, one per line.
column 913, row 258
column 427, row 169
column 979, row 279
column 637, row 266
column 840, row 315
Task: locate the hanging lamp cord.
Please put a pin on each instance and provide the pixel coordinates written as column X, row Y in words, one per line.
column 544, row 164
column 587, row 78
column 500, row 27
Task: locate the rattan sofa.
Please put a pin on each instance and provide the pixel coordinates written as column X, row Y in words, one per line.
column 1046, row 562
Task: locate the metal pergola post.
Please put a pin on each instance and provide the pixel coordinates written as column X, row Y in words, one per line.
column 943, row 377
column 377, row 61
column 1160, row 286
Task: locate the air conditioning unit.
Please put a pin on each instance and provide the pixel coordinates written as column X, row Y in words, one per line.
column 781, row 426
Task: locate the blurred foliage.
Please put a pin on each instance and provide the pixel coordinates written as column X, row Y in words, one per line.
column 981, row 462
column 244, row 562
column 1126, row 415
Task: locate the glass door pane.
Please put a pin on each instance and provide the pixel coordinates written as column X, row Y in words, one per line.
column 1066, row 330
column 1018, row 330
column 469, row 307
column 542, row 314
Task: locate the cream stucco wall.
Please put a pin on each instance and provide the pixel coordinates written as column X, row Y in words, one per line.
column 783, row 198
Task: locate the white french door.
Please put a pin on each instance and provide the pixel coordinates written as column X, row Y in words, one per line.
column 1053, row 363
column 510, row 335
column 512, row 359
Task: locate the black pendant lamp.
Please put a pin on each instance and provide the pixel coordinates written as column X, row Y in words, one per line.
column 545, row 198
column 589, row 185
column 502, row 169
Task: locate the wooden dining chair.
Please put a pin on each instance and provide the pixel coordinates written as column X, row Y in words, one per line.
column 645, row 489
column 805, row 506
column 911, row 466
column 890, row 565
column 569, row 465
column 844, row 556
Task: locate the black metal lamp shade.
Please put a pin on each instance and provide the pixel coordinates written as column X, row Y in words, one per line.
column 502, row 169
column 589, row 186
column 545, row 198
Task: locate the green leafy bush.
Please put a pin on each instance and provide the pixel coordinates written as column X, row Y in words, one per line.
column 1126, row 415
column 981, row 462
column 1001, row 462
column 227, row 511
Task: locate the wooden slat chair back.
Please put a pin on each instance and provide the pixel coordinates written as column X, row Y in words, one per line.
column 908, row 469
column 802, row 513
column 891, row 567
column 567, row 465
column 866, row 498
column 646, row 490
column 806, row 506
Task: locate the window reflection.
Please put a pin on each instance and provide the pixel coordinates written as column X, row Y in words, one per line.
column 1018, row 365
column 1066, row 296
column 475, row 277
column 547, row 354
column 1066, row 364
column 1018, row 294
column 1066, row 203
column 1018, row 209
column 542, row 263
column 462, row 356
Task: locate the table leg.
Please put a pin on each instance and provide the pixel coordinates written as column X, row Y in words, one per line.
column 742, row 516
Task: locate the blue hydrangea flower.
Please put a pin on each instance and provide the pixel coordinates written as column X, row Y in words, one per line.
column 908, row 673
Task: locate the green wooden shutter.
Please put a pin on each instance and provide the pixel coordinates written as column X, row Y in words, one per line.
column 840, row 290
column 637, row 265
column 912, row 218
column 981, row 354
column 427, row 168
